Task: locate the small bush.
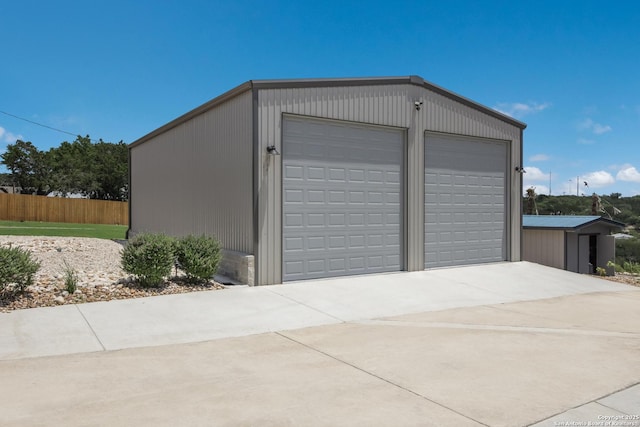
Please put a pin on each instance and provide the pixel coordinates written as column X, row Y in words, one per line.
column 17, row 268
column 631, row 267
column 601, row 271
column 149, row 257
column 198, row 257
column 70, row 278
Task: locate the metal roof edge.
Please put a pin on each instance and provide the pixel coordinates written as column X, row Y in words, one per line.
column 470, row 103
column 601, row 219
column 240, row 89
column 326, row 82
column 368, row 81
column 577, row 227
column 329, row 82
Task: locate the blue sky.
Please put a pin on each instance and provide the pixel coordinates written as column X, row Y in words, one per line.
column 117, row 70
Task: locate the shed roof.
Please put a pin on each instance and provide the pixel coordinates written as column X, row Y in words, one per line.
column 566, row 222
column 328, row 82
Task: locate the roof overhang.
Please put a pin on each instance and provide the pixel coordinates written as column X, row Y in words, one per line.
column 547, row 223
column 328, row 82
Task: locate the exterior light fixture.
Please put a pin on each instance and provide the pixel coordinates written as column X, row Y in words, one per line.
column 520, row 169
column 271, row 149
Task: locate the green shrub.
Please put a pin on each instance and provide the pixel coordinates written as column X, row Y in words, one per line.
column 149, row 257
column 70, row 278
column 17, row 268
column 631, row 267
column 198, row 257
column 627, row 250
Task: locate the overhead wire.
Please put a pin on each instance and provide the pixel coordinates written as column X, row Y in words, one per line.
column 43, row 125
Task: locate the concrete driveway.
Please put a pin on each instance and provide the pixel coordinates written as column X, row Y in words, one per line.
column 507, row 344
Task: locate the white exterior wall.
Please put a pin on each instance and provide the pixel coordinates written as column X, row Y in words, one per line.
column 196, row 178
column 390, row 105
column 546, row 247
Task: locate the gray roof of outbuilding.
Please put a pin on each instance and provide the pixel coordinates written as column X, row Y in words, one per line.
column 565, row 222
column 329, row 82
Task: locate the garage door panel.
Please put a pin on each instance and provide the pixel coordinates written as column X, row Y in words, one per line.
column 465, row 190
column 342, row 198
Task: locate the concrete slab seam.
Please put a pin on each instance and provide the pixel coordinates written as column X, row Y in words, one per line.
column 90, row 327
column 306, row 305
column 589, row 402
column 504, row 328
column 379, row 377
column 615, row 392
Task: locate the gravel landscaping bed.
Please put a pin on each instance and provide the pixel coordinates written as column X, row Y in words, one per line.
column 97, row 264
column 627, row 278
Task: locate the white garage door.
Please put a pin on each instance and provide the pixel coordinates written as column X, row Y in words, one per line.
column 342, row 198
column 465, row 183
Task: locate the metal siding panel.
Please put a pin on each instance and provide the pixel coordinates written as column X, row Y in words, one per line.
column 544, row 247
column 584, row 266
column 196, row 178
column 606, row 252
column 393, row 106
column 343, row 102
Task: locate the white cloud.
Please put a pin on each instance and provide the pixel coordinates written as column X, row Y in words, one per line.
column 598, row 179
column 591, row 126
column 518, row 109
column 8, row 136
column 585, row 124
column 599, row 129
column 539, row 158
column 539, row 189
column 567, row 187
column 629, row 174
column 584, row 141
column 534, row 178
column 616, row 167
column 534, row 174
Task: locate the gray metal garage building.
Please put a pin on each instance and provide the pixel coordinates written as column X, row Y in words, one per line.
column 317, row 178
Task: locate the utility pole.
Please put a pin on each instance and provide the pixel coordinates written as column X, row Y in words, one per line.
column 577, row 185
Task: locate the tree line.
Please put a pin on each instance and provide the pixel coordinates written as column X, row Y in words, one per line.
column 612, row 206
column 94, row 170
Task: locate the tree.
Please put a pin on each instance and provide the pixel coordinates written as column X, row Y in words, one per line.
column 97, row 171
column 6, row 180
column 29, row 167
column 71, row 167
column 111, row 171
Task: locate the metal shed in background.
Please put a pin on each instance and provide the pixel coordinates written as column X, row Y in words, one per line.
column 571, row 242
column 317, row 178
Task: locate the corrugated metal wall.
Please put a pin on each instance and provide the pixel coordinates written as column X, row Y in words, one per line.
column 574, row 254
column 197, row 177
column 546, row 247
column 390, row 105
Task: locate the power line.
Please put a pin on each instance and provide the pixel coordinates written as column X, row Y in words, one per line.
column 44, row 126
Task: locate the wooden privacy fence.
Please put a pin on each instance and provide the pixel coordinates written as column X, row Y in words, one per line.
column 20, row 207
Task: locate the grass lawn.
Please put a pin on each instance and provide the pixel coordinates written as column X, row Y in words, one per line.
column 101, row 231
